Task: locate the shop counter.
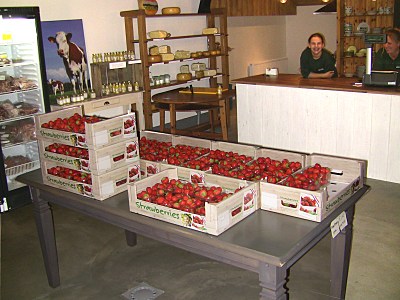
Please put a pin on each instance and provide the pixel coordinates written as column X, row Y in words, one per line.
column 337, row 116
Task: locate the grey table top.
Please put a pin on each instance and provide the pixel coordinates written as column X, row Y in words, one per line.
column 265, row 236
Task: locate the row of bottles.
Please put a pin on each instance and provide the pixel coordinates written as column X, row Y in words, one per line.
column 64, row 99
column 119, row 87
column 113, row 56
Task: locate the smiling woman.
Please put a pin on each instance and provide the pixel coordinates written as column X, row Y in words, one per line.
column 316, row 61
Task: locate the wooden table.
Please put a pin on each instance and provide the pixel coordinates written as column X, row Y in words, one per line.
column 266, row 243
column 183, row 101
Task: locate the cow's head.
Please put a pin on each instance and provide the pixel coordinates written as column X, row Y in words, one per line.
column 62, row 40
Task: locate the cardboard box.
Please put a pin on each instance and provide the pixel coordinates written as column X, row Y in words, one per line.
column 218, row 216
column 100, row 161
column 100, row 134
column 102, row 187
column 346, row 178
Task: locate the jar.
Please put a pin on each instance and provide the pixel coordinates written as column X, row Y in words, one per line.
column 167, row 79
column 92, row 94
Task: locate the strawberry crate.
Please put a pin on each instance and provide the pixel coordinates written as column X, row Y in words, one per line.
column 96, row 135
column 194, row 176
column 161, row 152
column 248, row 150
column 89, row 160
column 271, row 165
column 99, row 187
column 217, row 217
column 347, row 176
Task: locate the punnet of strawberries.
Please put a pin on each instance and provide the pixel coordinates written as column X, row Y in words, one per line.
column 182, row 195
column 74, row 123
column 153, row 150
column 312, row 178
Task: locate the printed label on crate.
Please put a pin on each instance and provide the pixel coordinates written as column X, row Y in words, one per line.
column 223, row 219
column 196, row 177
column 81, row 140
column 115, row 132
column 134, row 173
column 288, row 203
column 132, row 150
column 269, row 200
column 309, row 204
column 107, row 188
column 80, row 188
column 249, row 199
column 104, row 163
column 75, row 162
column 129, row 126
column 67, row 136
column 101, row 138
column 118, row 156
column 331, row 204
column 175, row 216
column 151, row 168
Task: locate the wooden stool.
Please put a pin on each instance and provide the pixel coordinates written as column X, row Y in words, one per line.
column 175, row 101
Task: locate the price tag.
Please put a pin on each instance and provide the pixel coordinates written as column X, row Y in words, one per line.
column 335, row 229
column 7, row 36
column 338, row 224
column 117, row 65
column 342, row 221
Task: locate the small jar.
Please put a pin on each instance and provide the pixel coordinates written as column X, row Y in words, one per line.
column 167, row 79
column 92, row 94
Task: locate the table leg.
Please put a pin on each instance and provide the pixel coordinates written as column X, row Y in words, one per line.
column 45, row 228
column 131, row 238
column 172, row 116
column 222, row 111
column 272, row 282
column 340, row 258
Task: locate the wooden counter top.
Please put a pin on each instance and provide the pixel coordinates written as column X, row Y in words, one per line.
column 296, row 80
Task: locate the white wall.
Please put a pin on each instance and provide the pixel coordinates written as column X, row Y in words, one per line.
column 254, row 39
column 301, row 26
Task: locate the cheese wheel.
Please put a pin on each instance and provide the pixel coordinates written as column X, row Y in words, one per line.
column 150, row 6
column 171, row 11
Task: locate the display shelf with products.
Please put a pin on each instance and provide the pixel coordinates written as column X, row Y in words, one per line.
column 138, row 20
column 355, row 18
column 116, row 72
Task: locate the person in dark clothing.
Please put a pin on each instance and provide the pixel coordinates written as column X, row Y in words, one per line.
column 388, row 57
column 316, row 61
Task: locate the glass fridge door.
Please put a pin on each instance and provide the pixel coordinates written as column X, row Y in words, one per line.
column 21, row 94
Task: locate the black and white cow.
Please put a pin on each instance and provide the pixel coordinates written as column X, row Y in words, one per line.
column 56, row 86
column 74, row 59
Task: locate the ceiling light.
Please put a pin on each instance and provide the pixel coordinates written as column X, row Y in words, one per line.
column 283, row 1
column 325, row 1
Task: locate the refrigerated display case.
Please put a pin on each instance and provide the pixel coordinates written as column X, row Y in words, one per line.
column 22, row 95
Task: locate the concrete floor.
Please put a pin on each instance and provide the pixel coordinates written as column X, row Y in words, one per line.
column 96, row 263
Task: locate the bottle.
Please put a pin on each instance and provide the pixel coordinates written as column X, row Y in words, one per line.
column 123, row 87
column 219, row 90
column 92, row 94
column 130, row 87
column 136, row 86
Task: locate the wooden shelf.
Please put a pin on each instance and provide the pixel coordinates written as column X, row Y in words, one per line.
column 139, row 19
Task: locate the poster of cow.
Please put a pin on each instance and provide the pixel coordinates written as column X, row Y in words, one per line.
column 67, row 67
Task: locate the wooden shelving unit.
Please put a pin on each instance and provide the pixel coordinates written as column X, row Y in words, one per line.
column 362, row 11
column 139, row 18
